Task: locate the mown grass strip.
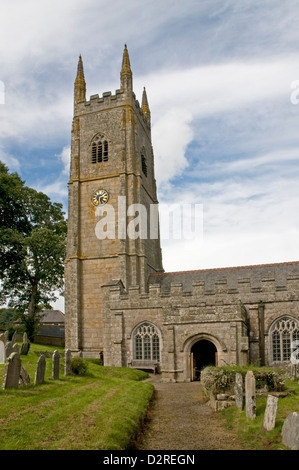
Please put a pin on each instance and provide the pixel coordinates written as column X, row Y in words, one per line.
column 101, row 410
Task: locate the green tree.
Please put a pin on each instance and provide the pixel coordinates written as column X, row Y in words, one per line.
column 7, row 317
column 32, row 247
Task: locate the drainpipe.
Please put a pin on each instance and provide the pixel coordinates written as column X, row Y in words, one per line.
column 261, row 321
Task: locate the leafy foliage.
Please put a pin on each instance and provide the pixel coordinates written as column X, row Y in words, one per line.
column 32, row 246
column 7, row 317
column 78, row 366
column 223, row 378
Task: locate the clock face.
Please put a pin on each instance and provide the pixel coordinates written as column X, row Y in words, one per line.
column 100, row 197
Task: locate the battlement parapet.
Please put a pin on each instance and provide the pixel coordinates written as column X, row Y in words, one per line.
column 108, row 100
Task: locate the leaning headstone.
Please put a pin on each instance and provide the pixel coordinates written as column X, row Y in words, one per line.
column 239, row 391
column 40, row 370
column 24, row 377
column 2, row 352
column 12, row 371
column 270, row 413
column 55, row 365
column 25, row 349
column 250, row 395
column 67, row 362
column 290, row 431
column 14, row 337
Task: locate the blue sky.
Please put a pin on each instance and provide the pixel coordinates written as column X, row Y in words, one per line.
column 218, row 76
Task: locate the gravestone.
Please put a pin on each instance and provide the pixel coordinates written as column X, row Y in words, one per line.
column 12, row 371
column 270, row 413
column 239, row 391
column 15, row 348
column 40, row 370
column 3, row 337
column 25, row 349
column 8, row 349
column 2, row 352
column 290, row 431
column 250, row 395
column 25, row 338
column 67, row 362
column 14, row 337
column 55, row 365
column 25, row 345
column 24, row 377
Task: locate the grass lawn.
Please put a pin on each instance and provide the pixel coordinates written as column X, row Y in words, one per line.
column 251, row 433
column 99, row 411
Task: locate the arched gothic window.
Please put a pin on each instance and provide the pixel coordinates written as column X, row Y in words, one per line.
column 99, row 150
column 282, row 334
column 146, row 343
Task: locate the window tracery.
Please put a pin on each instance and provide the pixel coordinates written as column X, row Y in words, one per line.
column 146, row 343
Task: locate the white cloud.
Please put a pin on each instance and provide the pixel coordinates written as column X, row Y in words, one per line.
column 170, row 135
column 65, row 157
column 11, row 162
column 217, row 74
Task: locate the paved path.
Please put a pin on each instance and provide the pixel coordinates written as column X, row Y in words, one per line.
column 180, row 420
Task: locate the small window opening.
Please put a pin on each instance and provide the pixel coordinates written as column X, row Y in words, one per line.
column 94, row 153
column 99, row 151
column 143, row 165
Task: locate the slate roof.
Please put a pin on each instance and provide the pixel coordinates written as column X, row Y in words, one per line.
column 52, row 316
column 255, row 273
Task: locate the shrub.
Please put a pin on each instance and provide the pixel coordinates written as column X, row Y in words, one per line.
column 78, row 366
column 223, row 378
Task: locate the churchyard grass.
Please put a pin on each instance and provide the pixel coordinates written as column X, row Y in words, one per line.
column 251, row 433
column 100, row 410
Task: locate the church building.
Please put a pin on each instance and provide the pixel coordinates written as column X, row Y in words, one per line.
column 120, row 304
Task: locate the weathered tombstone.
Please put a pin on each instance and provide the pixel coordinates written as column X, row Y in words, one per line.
column 55, row 365
column 2, row 352
column 250, row 395
column 40, row 370
column 3, row 337
column 16, row 348
column 25, row 349
column 239, row 391
column 24, row 377
column 25, row 337
column 14, row 337
column 12, row 371
column 290, row 431
column 8, row 349
column 270, row 413
column 67, row 362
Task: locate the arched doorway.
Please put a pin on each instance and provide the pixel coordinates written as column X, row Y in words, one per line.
column 203, row 353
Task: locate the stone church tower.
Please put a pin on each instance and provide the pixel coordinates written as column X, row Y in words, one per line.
column 119, row 301
column 111, row 176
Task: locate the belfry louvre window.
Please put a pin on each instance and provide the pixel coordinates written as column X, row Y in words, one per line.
column 146, row 343
column 143, row 165
column 284, row 332
column 99, row 151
